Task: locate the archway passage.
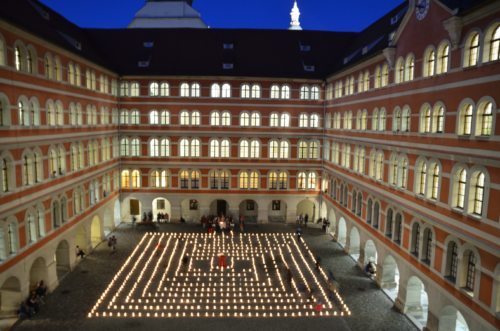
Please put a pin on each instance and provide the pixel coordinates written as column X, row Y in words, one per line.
column 249, row 209
column 219, row 208
column 81, row 238
column 333, row 223
column 342, row 232
column 450, row 319
column 95, row 231
column 62, row 259
column 370, row 252
column 354, row 244
column 161, row 208
column 416, row 306
column 10, row 296
column 38, row 272
column 277, row 210
column 390, row 277
column 307, row 207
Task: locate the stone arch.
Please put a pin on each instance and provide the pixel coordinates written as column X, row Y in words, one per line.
column 390, row 277
column 117, row 213
column 249, row 209
column 109, row 223
column 417, row 302
column 354, row 243
column 10, row 295
column 277, row 210
column 81, row 238
column 62, row 259
column 333, row 222
column 307, row 207
column 342, row 232
column 131, row 207
column 38, row 272
column 219, row 207
column 95, row 231
column 371, row 254
column 450, row 319
column 161, row 205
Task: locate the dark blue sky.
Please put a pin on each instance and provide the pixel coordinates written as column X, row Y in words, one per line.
column 338, row 15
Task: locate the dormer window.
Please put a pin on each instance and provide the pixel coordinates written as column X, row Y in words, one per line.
column 305, row 48
column 228, row 66
column 309, row 68
column 143, row 64
column 228, row 46
column 149, row 44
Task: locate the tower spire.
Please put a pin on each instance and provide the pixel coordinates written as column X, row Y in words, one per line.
column 295, row 15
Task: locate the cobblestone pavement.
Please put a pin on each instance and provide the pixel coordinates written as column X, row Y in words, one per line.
column 67, row 307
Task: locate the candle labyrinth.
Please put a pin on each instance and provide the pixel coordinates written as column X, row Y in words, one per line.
column 217, row 275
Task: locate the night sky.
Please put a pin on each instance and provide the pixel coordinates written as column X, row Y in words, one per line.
column 336, row 15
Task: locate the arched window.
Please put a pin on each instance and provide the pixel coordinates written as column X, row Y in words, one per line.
column 195, row 179
column 421, row 177
column 379, row 170
column 215, row 90
column 399, row 70
column 443, row 60
column 195, row 90
column 245, row 91
column 2, row 52
column 465, row 120
column 409, row 68
column 136, row 179
column 255, row 149
column 225, row 176
column 315, row 93
column 284, row 148
column 303, row 120
column 244, row 149
column 492, row 43
column 226, row 118
column 469, row 262
column 425, row 119
column 451, row 269
column 484, row 121
column 273, row 180
column 195, row 118
column 184, row 117
column 225, row 148
column 314, row 150
column 460, row 184
column 385, row 75
column 273, row 120
column 226, row 90
column 245, row 119
column 301, row 181
column 12, row 238
column 155, row 178
column 154, row 89
column 398, row 227
column 255, row 119
column 154, row 117
column 215, row 118
column 184, row 179
column 214, row 148
column 369, row 211
column 438, row 119
column 283, row 180
column 434, row 171
column 429, row 62
column 304, row 92
column 471, row 48
column 243, row 180
column 164, row 147
column 273, row 149
column 154, row 148
column 184, row 90
column 195, row 148
column 184, row 148
column 254, row 180
column 256, row 91
column 125, row 178
column 285, row 92
column 135, row 147
column 164, row 89
column 303, row 147
column 389, row 222
column 285, row 120
column 214, row 180
column 124, row 147
column 377, row 77
column 477, row 193
column 135, row 117
column 427, row 247
column 275, row 92
column 311, row 181
column 375, row 120
column 18, row 58
column 415, row 239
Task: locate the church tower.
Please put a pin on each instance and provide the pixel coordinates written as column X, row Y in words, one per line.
column 295, row 15
column 168, row 14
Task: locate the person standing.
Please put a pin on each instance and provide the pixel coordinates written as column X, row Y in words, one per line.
column 79, row 252
column 306, row 219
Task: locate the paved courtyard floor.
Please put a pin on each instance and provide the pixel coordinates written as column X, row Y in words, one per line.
column 141, row 278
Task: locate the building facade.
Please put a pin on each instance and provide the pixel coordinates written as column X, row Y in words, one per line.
column 389, row 133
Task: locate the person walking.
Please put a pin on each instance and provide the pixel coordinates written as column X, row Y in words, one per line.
column 79, row 252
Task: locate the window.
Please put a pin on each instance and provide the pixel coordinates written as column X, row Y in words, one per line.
column 389, row 222
column 315, row 93
column 311, row 181
column 443, row 58
column 285, row 120
column 215, row 91
column 379, row 167
column 434, row 184
column 399, row 70
column 184, row 179
column 125, row 179
column 214, row 148
column 484, row 123
column 255, row 149
column 243, row 180
column 303, row 148
column 421, row 177
column 452, row 262
column 273, row 149
column 477, row 193
column 254, row 180
column 409, row 68
column 303, row 121
column 134, row 89
column 195, row 148
column 135, row 117
column 471, row 57
column 164, row 89
column 245, row 91
column 226, row 118
column 285, row 92
column 415, row 235
column 215, row 118
column 283, row 180
column 164, row 117
column 429, row 62
column 195, row 179
column 164, row 147
column 427, row 247
column 460, row 184
column 2, row 52
column 225, row 148
column 256, row 93
column 153, row 117
column 195, row 90
column 425, row 119
column 244, row 149
column 226, row 90
column 470, row 275
column 195, row 118
column 154, row 89
column 184, row 90
column 304, row 92
column 275, row 92
column 284, row 148
column 273, row 180
column 385, row 75
column 465, row 120
column 438, row 119
column 135, row 147
column 18, row 58
column 154, row 148
column 244, row 119
column 301, row 181
column 378, row 77
column 314, row 150
column 184, row 117
column 255, row 119
column 224, row 179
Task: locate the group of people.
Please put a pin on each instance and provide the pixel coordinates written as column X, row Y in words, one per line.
column 31, row 305
column 302, row 219
column 219, row 224
column 162, row 218
column 112, row 242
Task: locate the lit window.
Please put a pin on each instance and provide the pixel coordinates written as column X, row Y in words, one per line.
column 465, row 120
column 485, row 119
column 254, row 180
column 256, row 91
column 244, row 119
column 153, row 117
column 285, row 120
column 184, row 90
column 244, row 180
column 285, row 92
column 275, row 92
column 164, row 89
column 461, row 183
column 477, row 192
column 303, row 121
column 184, row 116
column 245, row 91
column 226, row 91
column 273, row 120
column 244, row 149
column 215, row 91
column 154, row 89
column 195, row 90
column 443, row 58
column 255, row 119
column 215, row 118
column 472, row 50
column 226, row 118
